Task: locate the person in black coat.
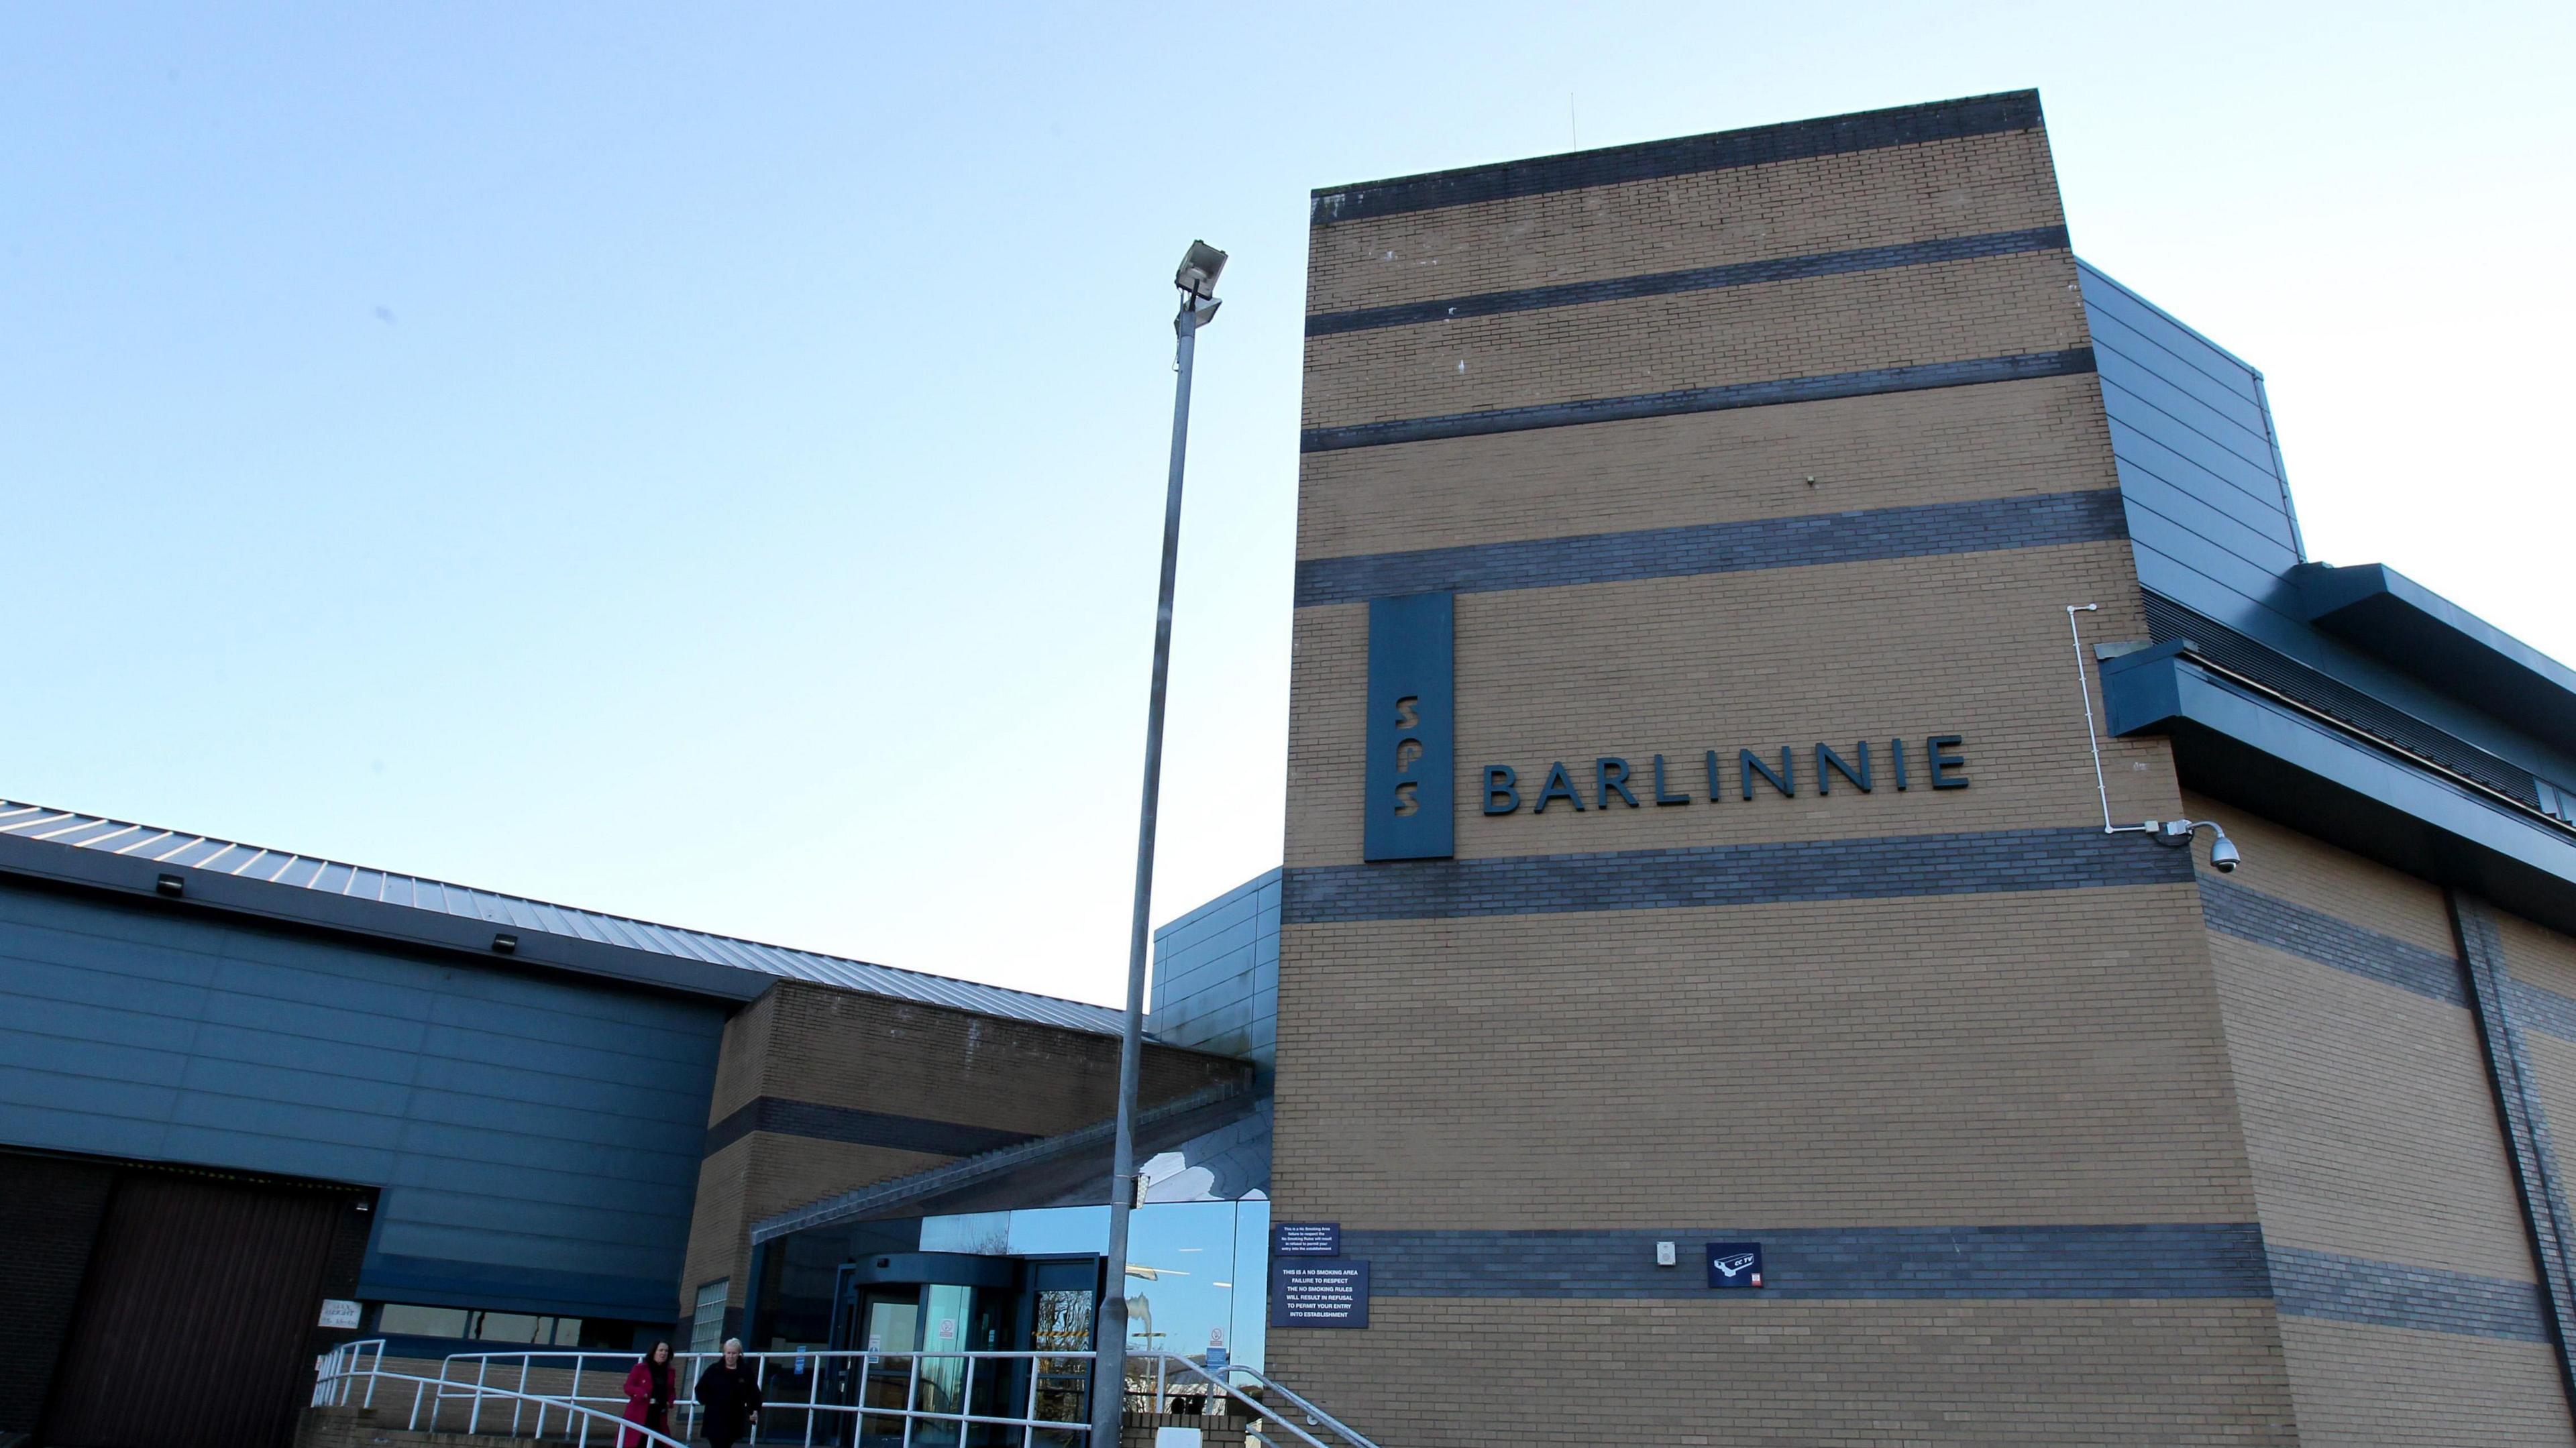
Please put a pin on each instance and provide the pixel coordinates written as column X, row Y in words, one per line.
column 729, row 1398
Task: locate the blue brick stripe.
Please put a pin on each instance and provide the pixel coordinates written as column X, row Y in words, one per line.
column 786, row 1117
column 2233, row 909
column 1920, row 531
column 1684, row 156
column 2545, row 1011
column 2526, row 1125
column 1992, row 862
column 1695, row 279
column 2216, row 1259
column 2386, row 1294
column 2017, row 367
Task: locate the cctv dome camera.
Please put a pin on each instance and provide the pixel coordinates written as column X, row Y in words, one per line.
column 2222, row 855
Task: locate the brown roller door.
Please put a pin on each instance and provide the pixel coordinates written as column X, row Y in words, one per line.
column 193, row 1322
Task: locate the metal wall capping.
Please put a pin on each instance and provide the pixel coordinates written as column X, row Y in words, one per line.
column 328, row 880
column 1684, row 156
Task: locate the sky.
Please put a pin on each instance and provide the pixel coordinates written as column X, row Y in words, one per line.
column 705, row 463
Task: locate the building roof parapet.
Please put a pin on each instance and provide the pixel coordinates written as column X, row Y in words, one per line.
column 2383, row 612
column 100, row 852
column 1682, row 156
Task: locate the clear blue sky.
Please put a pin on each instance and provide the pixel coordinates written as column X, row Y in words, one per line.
column 705, row 462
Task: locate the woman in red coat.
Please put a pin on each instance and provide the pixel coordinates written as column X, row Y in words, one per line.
column 648, row 1396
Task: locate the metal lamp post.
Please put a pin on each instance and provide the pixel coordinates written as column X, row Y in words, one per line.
column 1197, row 282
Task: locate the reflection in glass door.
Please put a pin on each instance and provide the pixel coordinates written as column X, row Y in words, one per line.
column 889, row 1321
column 1065, row 1295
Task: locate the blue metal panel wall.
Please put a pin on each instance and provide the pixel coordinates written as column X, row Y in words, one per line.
column 537, row 1138
column 2207, row 504
column 1216, row 975
column 2209, row 510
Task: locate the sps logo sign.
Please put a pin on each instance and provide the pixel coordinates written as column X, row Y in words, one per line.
column 1412, row 716
column 1411, row 771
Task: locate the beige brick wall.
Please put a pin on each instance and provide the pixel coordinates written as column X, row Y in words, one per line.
column 2367, row 1110
column 742, row 1060
column 1902, row 316
column 1972, row 644
column 832, row 1047
column 1946, row 445
column 1739, row 1371
column 2374, row 1133
column 1966, row 187
column 2384, row 1387
column 1766, row 1064
column 843, row 1048
column 2287, row 865
column 2538, row 955
column 2043, row 1057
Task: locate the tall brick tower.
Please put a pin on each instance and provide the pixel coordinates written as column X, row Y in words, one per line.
column 1691, row 831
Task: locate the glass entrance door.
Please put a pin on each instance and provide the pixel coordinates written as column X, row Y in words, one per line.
column 1064, row 1299
column 888, row 1320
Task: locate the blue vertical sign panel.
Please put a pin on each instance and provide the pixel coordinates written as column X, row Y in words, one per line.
column 1412, row 710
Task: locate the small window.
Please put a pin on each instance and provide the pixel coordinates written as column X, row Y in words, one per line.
column 513, row 1327
column 403, row 1320
column 706, row 1325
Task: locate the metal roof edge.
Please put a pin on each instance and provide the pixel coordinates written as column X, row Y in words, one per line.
column 400, row 924
column 93, row 851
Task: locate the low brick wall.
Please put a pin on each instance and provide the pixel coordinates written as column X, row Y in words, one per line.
column 1214, row 1431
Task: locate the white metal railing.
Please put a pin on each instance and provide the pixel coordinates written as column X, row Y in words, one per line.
column 336, row 1381
column 340, row 1371
column 1266, row 1412
column 910, row 1398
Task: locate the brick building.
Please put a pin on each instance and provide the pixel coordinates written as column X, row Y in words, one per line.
column 1780, row 642
column 269, row 1103
column 1694, row 838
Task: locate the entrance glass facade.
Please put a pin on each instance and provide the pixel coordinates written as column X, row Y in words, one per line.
column 1016, row 1280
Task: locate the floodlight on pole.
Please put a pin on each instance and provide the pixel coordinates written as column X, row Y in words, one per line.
column 1196, row 281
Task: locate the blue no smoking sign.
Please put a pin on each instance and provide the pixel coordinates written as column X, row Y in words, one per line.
column 1734, row 1264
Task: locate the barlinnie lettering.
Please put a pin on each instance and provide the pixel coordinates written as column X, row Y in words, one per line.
column 1944, row 765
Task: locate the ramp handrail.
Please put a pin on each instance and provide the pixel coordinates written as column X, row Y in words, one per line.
column 336, row 1376
column 1219, row 1378
column 332, row 1389
column 929, row 1394
column 950, row 1401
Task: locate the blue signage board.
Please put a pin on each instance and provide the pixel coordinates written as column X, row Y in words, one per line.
column 1734, row 1264
column 1319, row 1294
column 1305, row 1239
column 1410, row 773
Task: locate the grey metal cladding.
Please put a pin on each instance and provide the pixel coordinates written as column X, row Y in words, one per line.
column 93, row 850
column 515, row 1117
column 2168, row 620
column 2210, row 515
